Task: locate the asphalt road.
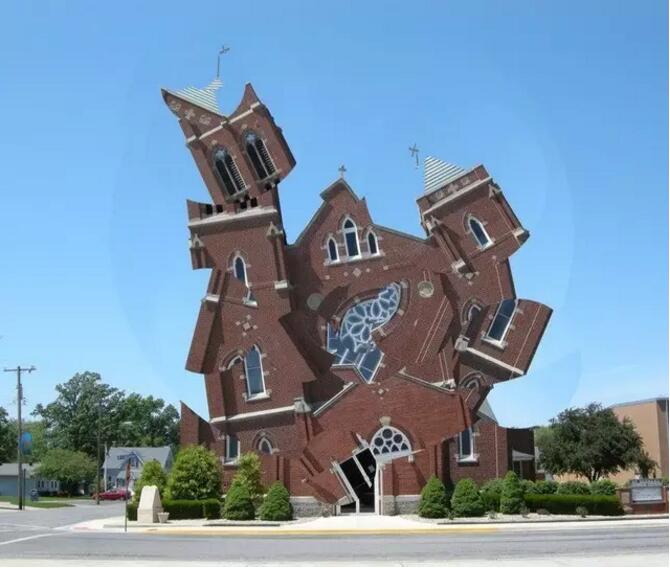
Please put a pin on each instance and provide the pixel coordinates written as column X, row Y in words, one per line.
column 41, row 537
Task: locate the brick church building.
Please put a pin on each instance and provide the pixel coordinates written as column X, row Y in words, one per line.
column 356, row 360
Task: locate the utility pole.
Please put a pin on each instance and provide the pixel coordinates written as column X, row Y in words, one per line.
column 19, row 392
column 97, row 461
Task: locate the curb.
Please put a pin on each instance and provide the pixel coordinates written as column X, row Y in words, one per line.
column 555, row 520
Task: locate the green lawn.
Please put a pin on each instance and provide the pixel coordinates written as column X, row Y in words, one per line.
column 46, row 504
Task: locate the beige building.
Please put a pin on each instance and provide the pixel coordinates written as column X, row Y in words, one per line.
column 650, row 417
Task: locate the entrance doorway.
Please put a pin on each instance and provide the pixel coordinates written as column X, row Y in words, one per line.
column 360, row 472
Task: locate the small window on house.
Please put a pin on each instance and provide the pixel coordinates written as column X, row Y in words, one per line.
column 253, row 369
column 332, row 250
column 372, row 243
column 466, row 446
column 479, row 232
column 351, row 238
column 265, row 446
column 259, row 156
column 502, row 320
column 228, row 173
column 232, row 448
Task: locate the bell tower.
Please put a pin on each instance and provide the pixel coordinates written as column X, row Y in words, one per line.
column 241, row 157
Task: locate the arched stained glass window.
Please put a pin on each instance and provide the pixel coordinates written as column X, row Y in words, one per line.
column 228, row 173
column 353, row 343
column 259, row 156
column 253, row 369
column 389, row 443
column 479, row 232
column 351, row 238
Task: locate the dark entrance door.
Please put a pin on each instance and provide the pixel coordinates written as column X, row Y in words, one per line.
column 360, row 471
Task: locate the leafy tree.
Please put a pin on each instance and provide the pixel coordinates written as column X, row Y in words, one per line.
column 152, row 474
column 148, row 421
column 511, row 498
column 466, row 501
column 491, row 492
column 249, row 475
column 196, row 474
column 238, row 505
column 277, row 504
column 590, row 442
column 84, row 404
column 433, row 504
column 70, row 468
column 7, row 438
column 645, row 464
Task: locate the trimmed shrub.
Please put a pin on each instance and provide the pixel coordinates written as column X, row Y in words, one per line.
column 249, row 474
column 567, row 504
column 512, row 494
column 238, row 505
column 183, row 509
column 491, row 492
column 466, row 501
column 211, row 509
column 603, row 487
column 545, row 487
column 527, row 486
column 152, row 474
column 132, row 511
column 196, row 474
column 277, row 504
column 433, row 504
column 573, row 488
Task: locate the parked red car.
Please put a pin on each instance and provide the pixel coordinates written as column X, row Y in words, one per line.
column 114, row 495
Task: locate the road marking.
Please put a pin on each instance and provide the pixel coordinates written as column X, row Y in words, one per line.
column 25, row 538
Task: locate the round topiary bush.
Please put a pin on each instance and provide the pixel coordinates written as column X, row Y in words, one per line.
column 491, row 492
column 433, row 504
column 573, row 488
column 238, row 505
column 196, row 474
column 512, row 495
column 277, row 504
column 466, row 501
column 152, row 474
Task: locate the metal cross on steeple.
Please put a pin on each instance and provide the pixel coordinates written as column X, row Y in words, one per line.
column 223, row 50
column 414, row 151
column 342, row 171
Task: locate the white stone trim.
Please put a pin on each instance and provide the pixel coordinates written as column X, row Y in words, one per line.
column 495, row 361
column 251, row 415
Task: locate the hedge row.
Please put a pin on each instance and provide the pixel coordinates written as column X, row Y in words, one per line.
column 185, row 509
column 567, row 504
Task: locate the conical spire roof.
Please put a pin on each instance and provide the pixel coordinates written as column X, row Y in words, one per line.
column 437, row 174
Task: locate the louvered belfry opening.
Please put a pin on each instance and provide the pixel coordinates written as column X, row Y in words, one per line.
column 259, row 156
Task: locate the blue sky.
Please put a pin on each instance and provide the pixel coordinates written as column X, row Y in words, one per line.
column 564, row 102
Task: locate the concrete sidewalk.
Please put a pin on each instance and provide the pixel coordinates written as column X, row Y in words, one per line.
column 355, row 525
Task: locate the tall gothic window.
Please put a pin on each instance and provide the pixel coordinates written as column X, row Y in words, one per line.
column 372, row 243
column 479, row 232
column 332, row 250
column 232, row 448
column 228, row 173
column 240, row 269
column 253, row 370
column 502, row 319
column 259, row 156
column 351, row 238
column 466, row 447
